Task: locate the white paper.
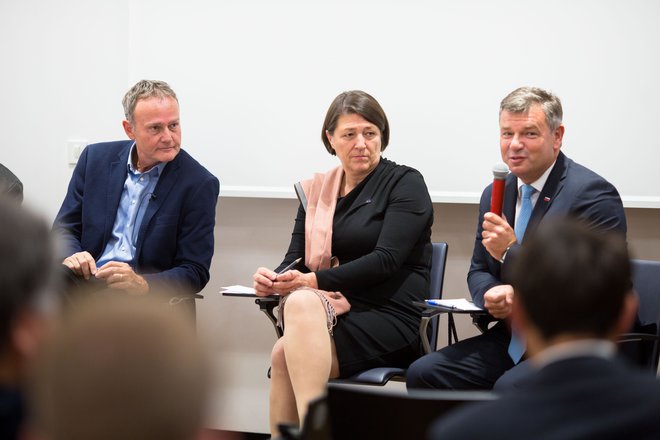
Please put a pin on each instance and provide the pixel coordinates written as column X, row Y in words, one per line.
column 237, row 288
column 458, row 304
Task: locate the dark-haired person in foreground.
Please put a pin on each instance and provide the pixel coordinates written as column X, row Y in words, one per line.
column 573, row 297
column 543, row 184
column 141, row 211
column 26, row 306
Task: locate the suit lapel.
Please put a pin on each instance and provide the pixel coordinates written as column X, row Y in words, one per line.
column 550, row 191
column 510, row 199
column 165, row 184
column 117, row 177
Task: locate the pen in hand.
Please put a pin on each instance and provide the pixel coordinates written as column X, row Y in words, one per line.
column 290, row 265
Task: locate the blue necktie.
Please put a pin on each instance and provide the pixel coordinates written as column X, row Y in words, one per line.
column 525, row 212
column 517, row 344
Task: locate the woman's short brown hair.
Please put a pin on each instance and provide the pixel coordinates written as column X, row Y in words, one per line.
column 359, row 103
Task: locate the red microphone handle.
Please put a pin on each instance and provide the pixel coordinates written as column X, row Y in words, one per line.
column 497, row 197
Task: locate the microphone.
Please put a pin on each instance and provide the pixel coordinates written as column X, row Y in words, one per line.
column 500, row 172
column 152, row 197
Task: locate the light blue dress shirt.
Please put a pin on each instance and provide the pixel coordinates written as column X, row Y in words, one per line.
column 135, row 197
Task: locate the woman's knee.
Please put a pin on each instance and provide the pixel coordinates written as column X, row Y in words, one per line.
column 301, row 303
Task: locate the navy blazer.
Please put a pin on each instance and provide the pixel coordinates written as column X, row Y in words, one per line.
column 571, row 190
column 175, row 240
column 570, row 399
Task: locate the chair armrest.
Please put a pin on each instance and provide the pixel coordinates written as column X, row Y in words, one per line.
column 375, row 376
column 267, row 305
column 481, row 319
column 634, row 337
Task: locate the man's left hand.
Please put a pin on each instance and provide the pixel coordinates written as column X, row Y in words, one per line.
column 118, row 275
column 497, row 235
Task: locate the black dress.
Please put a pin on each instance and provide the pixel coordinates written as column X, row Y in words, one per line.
column 382, row 238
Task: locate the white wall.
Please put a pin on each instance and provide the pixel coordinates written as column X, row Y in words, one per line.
column 64, row 72
column 256, row 78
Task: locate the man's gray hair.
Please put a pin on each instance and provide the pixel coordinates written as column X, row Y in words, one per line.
column 523, row 98
column 142, row 90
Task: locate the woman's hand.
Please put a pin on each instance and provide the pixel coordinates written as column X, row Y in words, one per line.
column 293, row 279
column 339, row 302
column 262, row 281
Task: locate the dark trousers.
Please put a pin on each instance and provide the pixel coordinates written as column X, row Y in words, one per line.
column 472, row 364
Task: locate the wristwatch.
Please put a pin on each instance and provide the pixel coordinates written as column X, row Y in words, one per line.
column 504, row 254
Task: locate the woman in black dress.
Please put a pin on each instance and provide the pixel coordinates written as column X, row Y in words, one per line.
column 364, row 232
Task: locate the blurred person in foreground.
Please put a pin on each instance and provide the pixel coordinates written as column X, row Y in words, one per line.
column 573, row 298
column 363, row 231
column 121, row 368
column 27, row 306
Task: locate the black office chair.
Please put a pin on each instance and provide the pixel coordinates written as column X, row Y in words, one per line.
column 642, row 345
column 365, row 414
column 349, row 412
column 428, row 333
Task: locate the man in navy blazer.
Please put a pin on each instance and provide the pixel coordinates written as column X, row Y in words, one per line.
column 140, row 213
column 573, row 297
column 531, row 133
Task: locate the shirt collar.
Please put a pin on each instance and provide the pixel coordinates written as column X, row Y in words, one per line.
column 539, row 183
column 155, row 171
column 584, row 347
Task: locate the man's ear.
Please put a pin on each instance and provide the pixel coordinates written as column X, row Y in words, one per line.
column 628, row 313
column 519, row 319
column 128, row 128
column 558, row 137
column 27, row 332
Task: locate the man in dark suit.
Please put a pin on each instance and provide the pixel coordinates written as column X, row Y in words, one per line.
column 142, row 211
column 573, row 297
column 543, row 184
column 10, row 185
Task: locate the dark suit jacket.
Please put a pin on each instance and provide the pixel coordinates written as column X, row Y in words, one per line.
column 575, row 398
column 10, row 185
column 12, row 413
column 175, row 240
column 571, row 190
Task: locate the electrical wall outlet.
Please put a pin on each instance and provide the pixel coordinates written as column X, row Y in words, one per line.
column 73, row 149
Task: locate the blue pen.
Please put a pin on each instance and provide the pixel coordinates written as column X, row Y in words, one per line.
column 437, row 302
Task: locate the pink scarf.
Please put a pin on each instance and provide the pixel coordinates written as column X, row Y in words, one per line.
column 321, row 192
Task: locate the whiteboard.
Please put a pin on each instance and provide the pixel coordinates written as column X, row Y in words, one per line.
column 255, row 78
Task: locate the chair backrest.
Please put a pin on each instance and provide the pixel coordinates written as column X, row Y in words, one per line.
column 380, row 413
column 646, row 282
column 438, row 263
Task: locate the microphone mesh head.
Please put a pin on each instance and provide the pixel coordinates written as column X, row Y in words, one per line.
column 500, row 171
